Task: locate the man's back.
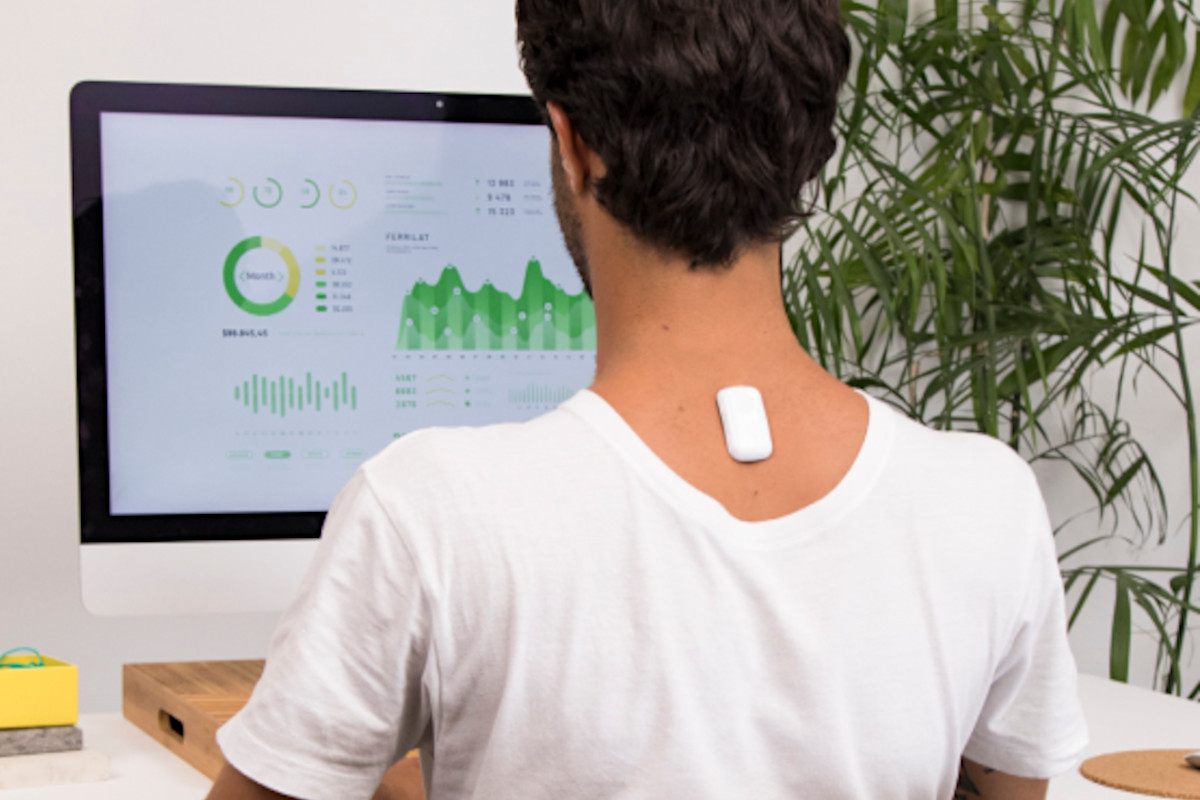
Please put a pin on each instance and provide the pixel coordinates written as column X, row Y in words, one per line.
column 574, row 619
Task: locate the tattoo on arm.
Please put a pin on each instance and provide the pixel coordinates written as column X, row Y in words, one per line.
column 966, row 789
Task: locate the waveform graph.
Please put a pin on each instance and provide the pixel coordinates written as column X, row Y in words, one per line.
column 448, row 316
column 280, row 395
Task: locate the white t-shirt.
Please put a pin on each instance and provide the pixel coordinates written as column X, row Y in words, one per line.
column 548, row 611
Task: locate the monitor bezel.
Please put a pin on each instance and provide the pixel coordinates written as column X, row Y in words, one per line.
column 89, row 99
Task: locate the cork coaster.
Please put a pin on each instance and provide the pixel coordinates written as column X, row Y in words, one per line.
column 1162, row 773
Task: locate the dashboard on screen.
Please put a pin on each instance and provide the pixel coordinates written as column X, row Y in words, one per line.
column 273, row 285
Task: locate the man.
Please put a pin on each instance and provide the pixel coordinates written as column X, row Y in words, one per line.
column 873, row 611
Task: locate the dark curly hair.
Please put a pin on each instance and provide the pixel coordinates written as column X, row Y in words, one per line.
column 710, row 115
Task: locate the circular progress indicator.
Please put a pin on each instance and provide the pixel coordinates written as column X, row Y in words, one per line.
column 236, row 281
column 274, row 190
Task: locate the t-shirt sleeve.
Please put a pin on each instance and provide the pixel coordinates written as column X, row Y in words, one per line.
column 1032, row 724
column 344, row 692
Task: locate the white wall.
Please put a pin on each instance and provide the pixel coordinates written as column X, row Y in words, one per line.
column 463, row 45
column 450, row 45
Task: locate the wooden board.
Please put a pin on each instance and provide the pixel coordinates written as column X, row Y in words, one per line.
column 182, row 704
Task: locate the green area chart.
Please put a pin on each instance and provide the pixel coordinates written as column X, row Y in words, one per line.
column 445, row 316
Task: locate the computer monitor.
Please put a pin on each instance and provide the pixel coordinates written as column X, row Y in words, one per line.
column 274, row 284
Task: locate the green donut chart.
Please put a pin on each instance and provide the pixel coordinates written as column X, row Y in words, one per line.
column 278, row 194
column 235, row 294
column 316, row 193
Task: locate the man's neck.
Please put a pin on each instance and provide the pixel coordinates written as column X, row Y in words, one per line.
column 660, row 322
column 670, row 337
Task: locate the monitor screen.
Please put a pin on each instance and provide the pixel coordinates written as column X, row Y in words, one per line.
column 275, row 284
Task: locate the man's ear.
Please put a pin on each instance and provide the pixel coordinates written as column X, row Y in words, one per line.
column 580, row 163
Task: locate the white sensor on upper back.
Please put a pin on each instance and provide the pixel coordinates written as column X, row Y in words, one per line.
column 744, row 418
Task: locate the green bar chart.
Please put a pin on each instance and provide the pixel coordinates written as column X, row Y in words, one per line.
column 281, row 395
column 447, row 316
column 539, row 394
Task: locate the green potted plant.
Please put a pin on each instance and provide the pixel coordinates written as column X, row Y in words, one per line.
column 968, row 260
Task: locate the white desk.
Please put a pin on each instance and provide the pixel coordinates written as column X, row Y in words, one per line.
column 141, row 768
column 1121, row 718
column 1124, row 717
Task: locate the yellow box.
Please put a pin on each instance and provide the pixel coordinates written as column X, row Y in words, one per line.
column 38, row 697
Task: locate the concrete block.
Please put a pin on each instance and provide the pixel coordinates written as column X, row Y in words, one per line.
column 31, row 741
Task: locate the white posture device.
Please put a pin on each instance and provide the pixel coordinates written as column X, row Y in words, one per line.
column 744, row 418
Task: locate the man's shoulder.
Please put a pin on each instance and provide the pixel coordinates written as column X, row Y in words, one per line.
column 972, row 498
column 952, row 449
column 959, row 466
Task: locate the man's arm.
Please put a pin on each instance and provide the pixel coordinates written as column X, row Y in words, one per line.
column 233, row 785
column 402, row 782
column 977, row 782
